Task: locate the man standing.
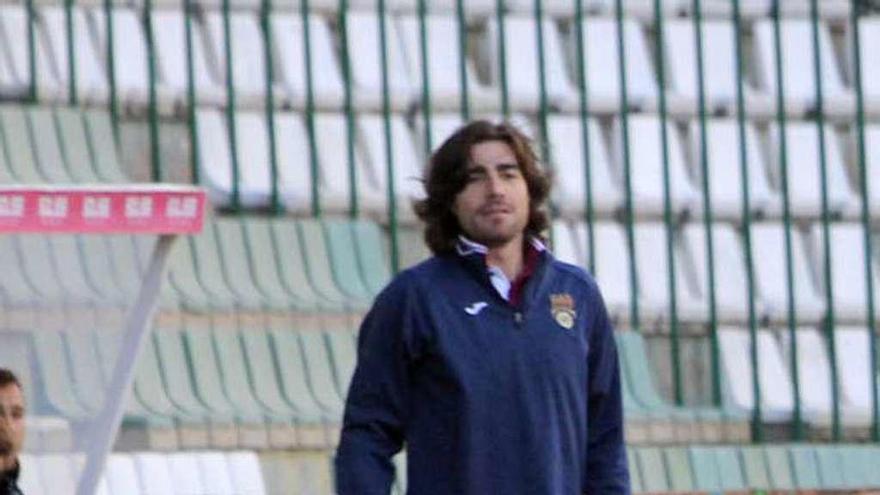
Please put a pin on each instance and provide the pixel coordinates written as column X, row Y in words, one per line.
column 492, row 362
column 11, row 431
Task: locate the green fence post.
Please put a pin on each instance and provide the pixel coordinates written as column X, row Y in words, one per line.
column 855, row 9
column 72, row 95
column 757, row 427
column 542, row 84
column 707, row 206
column 584, row 105
column 152, row 105
column 265, row 18
column 426, row 76
column 349, row 115
column 389, row 145
column 836, row 430
column 502, row 59
column 462, row 60
column 781, row 120
column 195, row 153
column 32, row 49
column 230, row 108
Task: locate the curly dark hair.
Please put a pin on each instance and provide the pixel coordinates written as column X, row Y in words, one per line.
column 7, row 377
column 446, row 176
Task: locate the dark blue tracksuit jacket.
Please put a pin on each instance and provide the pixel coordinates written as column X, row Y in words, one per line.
column 488, row 398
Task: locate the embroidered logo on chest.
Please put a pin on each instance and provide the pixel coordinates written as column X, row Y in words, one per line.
column 562, row 309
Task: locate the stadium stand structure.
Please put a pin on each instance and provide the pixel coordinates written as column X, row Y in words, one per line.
column 745, row 328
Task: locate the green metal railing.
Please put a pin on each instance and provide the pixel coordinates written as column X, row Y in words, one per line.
column 426, row 109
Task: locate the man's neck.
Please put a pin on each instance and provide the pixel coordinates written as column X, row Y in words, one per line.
column 508, row 257
column 8, row 463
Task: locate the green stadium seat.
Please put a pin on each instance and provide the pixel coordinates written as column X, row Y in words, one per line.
column 370, row 244
column 755, row 469
column 46, row 146
column 342, row 251
column 635, row 476
column 180, row 386
column 779, row 467
column 319, row 368
column 651, row 470
column 19, row 152
column 296, row 472
column 54, row 379
column 855, row 467
column 343, row 352
column 102, row 143
column 238, row 388
column 210, row 271
column 295, row 386
column 805, row 467
column 273, row 268
column 319, row 267
column 705, row 467
column 412, row 246
column 678, row 468
column 730, row 469
column 75, row 145
column 209, row 386
column 831, row 467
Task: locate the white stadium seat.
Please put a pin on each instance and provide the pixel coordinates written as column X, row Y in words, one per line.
column 288, row 33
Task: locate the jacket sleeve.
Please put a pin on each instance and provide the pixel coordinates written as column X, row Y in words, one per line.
column 377, row 401
column 606, row 471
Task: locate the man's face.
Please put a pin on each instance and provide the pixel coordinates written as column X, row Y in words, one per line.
column 493, row 207
column 11, row 420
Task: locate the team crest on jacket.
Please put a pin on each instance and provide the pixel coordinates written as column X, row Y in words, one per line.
column 562, row 309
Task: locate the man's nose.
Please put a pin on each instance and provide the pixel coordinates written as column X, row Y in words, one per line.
column 496, row 185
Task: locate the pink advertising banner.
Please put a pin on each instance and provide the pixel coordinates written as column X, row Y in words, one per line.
column 130, row 208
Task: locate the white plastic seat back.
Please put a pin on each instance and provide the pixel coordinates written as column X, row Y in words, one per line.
column 444, row 59
column 768, row 244
column 186, row 473
column 294, row 163
column 254, row 158
column 331, row 131
column 215, row 472
column 567, row 151
column 646, row 166
column 804, row 179
column 719, row 61
column 854, row 366
column 29, row 475
column 171, row 60
column 14, row 23
column 847, row 270
column 407, row 172
column 215, row 163
column 247, row 477
column 129, row 52
column 872, row 162
column 288, row 34
column 798, row 63
column 247, row 51
column 654, row 273
column 814, row 374
column 366, row 62
column 91, row 80
column 603, row 64
column 612, row 266
column 869, row 39
column 154, row 473
column 57, row 473
column 731, row 291
column 725, row 179
column 523, row 68
column 442, row 126
column 122, row 476
column 564, row 248
column 777, row 397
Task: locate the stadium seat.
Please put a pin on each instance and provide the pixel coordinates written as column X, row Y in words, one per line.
column 678, row 468
column 186, row 473
column 719, row 70
column 319, row 268
column 317, row 358
column 121, row 474
column 798, row 67
column 635, row 477
column 342, row 255
column 805, row 467
column 107, row 162
column 154, row 473
column 756, row 472
column 524, row 75
column 570, row 163
column 848, row 272
column 771, row 285
column 244, row 469
column 731, row 290
column 804, row 179
column 777, row 396
column 91, row 80
column 646, row 162
column 869, row 37
column 29, row 477
column 612, row 268
column 18, row 145
column 300, row 472
column 58, row 473
column 46, row 145
column 365, row 56
column 14, row 21
column 75, row 147
column 288, row 32
column 292, row 153
column 815, row 378
column 343, row 351
column 723, row 149
column 444, row 65
column 406, row 161
column 854, row 367
column 373, row 262
column 707, row 476
column 247, row 52
column 564, row 248
column 603, row 66
column 651, row 470
column 779, row 466
column 171, row 59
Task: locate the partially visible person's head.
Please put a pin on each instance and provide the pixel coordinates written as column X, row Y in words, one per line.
column 483, row 182
column 12, row 410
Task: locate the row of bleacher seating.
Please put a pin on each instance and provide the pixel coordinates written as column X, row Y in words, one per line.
column 612, row 265
column 653, row 470
column 67, row 145
column 483, row 74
